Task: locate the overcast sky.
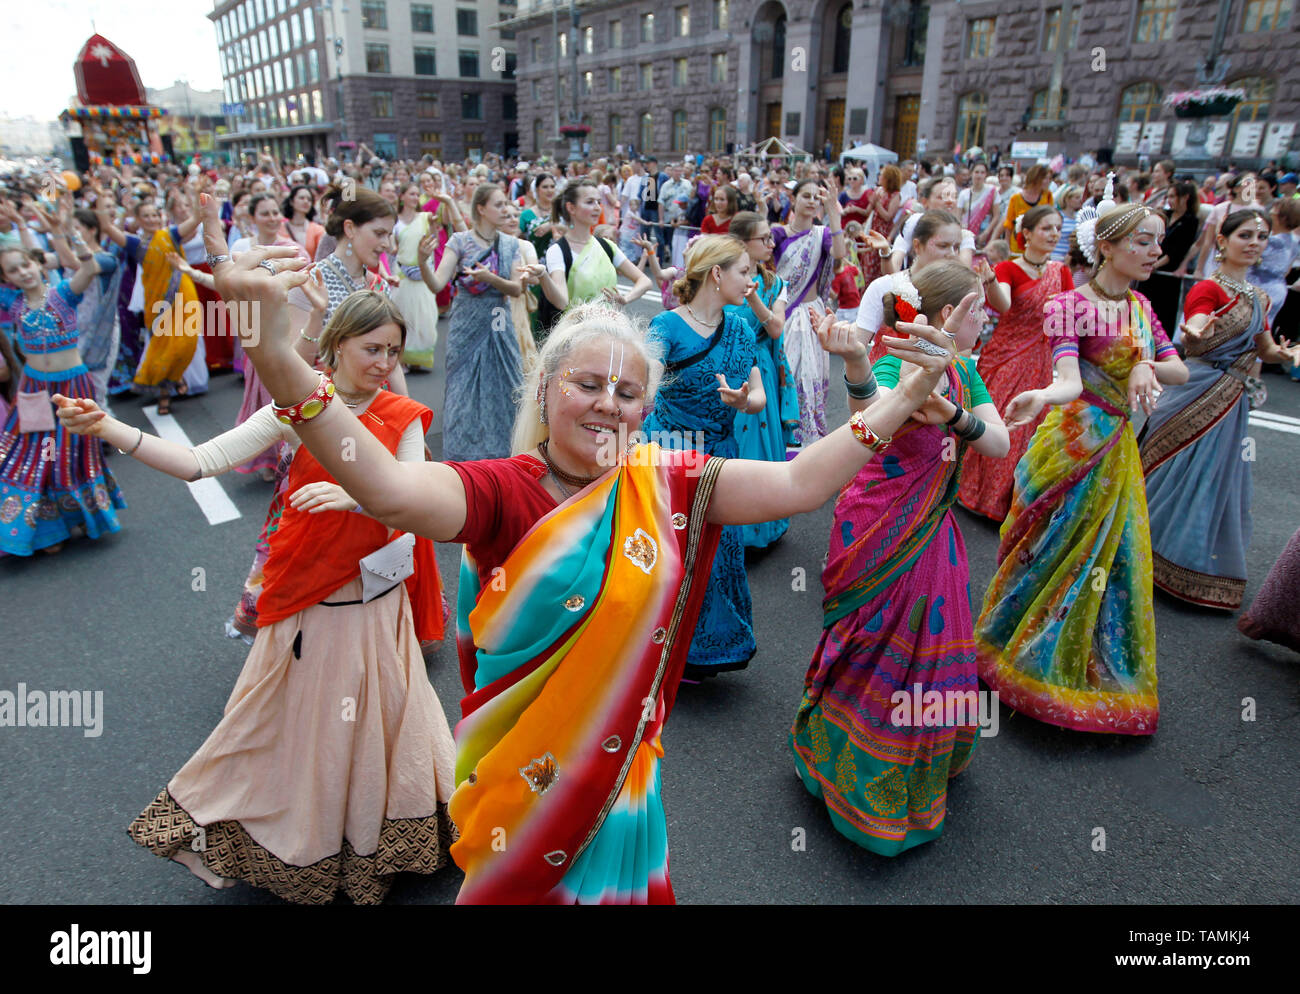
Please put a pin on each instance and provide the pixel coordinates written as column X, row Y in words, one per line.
column 169, row 40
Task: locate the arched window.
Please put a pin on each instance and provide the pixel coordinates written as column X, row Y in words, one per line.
column 717, row 129
column 971, row 111
column 843, row 33
column 679, row 131
column 1260, row 93
column 778, row 48
column 645, row 133
column 1140, row 102
column 1041, row 101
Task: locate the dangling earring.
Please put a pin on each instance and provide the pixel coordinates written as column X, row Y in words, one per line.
column 541, row 404
column 347, row 249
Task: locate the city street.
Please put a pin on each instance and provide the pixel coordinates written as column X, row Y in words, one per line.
column 1203, row 812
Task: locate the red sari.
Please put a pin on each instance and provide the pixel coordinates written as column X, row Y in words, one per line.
column 1017, row 358
column 882, row 220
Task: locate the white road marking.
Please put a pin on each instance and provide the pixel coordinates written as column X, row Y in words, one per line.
column 216, row 506
column 1290, row 427
column 1285, row 419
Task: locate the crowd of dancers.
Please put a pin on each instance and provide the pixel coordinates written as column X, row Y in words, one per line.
column 605, row 479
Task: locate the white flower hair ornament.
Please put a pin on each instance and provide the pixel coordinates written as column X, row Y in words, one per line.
column 902, row 287
column 1085, row 231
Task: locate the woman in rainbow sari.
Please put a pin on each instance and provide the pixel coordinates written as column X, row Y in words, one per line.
column 173, row 334
column 586, row 562
column 897, row 606
column 1198, row 484
column 1067, row 634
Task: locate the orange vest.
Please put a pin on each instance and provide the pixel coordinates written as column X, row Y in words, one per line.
column 312, row 555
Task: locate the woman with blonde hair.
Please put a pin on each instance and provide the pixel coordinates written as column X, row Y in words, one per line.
column 713, row 374
column 333, row 764
column 571, row 665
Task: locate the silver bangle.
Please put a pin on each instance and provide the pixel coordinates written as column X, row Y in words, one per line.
column 131, row 450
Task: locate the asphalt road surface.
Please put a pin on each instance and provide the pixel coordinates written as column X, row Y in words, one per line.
column 1204, row 811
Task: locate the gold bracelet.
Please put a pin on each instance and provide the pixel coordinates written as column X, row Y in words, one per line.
column 864, row 434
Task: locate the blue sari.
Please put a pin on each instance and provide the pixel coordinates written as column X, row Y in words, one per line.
column 765, row 435
column 1198, row 484
column 689, row 413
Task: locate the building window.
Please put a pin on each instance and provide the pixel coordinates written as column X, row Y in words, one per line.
column 275, row 44
column 616, row 79
column 422, row 18
column 562, row 44
column 843, row 35
column 979, row 37
column 1140, row 102
column 537, row 136
column 284, row 36
column 426, row 62
column 682, row 21
column 279, row 78
column 377, row 58
column 717, row 129
column 534, row 50
column 681, row 72
column 1041, row 101
column 469, row 63
column 679, row 131
column 589, row 40
column 647, row 27
column 317, row 105
column 473, row 142
column 374, row 15
column 426, row 105
column 509, row 106
column 646, row 76
column 718, row 68
column 467, row 23
column 1052, row 25
column 308, row 25
column 512, row 63
column 1267, row 15
column 471, row 106
column 1155, row 20
column 645, row 136
column 537, row 90
column 719, row 15
column 289, row 83
column 778, row 48
column 615, row 130
column 1259, row 99
column 381, row 103
column 431, row 143
column 971, row 111
column 616, row 33
column 295, row 31
column 588, row 83
column 313, row 66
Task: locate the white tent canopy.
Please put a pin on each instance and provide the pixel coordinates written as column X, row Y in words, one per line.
column 762, row 152
column 872, row 157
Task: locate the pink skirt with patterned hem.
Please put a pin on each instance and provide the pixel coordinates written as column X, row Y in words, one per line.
column 332, row 766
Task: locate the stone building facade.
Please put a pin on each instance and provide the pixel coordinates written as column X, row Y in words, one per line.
column 672, row 76
column 404, row 77
column 1121, row 58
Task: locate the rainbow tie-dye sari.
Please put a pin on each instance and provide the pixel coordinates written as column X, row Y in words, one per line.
column 1067, row 634
column 579, row 641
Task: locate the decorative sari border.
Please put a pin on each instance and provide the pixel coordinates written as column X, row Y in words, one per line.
column 699, row 510
column 1198, row 418
column 1190, row 585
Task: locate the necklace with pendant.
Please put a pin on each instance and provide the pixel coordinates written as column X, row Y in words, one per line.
column 1237, row 286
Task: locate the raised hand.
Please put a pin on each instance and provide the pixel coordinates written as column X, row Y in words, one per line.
column 935, row 411
column 612, row 295
column 322, row 496
column 314, row 290
column 739, row 399
column 1023, row 408
column 875, row 240
column 80, row 416
column 984, row 271
column 840, row 338
column 1143, row 389
column 428, row 245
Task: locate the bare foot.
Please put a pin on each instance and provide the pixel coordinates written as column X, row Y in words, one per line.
column 53, row 550
column 191, row 860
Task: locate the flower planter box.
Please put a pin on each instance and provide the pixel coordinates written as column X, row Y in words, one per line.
column 1218, row 107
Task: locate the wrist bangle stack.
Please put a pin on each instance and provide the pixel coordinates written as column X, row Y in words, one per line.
column 312, row 406
column 973, row 428
column 863, row 433
column 864, row 390
column 956, row 415
column 131, row 450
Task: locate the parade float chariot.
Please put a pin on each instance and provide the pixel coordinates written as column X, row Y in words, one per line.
column 112, row 122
